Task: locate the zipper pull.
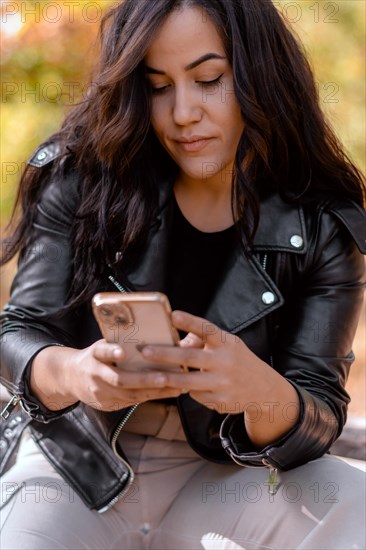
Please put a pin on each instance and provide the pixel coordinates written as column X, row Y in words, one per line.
column 116, row 283
column 272, row 480
column 9, row 407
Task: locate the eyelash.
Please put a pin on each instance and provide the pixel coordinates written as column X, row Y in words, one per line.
column 163, row 89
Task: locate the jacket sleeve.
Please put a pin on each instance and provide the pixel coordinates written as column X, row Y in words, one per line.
column 31, row 320
column 313, row 347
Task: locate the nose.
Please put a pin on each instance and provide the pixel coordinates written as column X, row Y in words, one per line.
column 187, row 106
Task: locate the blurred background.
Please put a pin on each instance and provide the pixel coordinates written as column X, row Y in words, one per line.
column 48, row 49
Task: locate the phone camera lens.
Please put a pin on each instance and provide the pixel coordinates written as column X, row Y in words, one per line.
column 120, row 320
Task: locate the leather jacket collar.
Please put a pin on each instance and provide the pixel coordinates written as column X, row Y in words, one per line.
column 149, row 271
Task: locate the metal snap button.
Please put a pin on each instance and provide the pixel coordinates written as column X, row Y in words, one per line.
column 296, row 241
column 41, row 156
column 268, row 298
column 3, row 444
column 8, row 432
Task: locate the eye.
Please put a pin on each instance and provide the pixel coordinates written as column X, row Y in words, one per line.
column 210, row 82
column 156, row 87
column 161, row 90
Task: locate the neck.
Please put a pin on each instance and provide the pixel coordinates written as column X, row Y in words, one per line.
column 214, row 188
column 206, row 208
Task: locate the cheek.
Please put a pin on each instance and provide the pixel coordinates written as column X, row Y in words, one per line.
column 235, row 119
column 233, row 108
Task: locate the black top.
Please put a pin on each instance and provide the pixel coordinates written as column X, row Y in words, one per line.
column 197, row 261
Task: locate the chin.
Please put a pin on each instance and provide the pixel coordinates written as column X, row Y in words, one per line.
column 202, row 169
column 198, row 176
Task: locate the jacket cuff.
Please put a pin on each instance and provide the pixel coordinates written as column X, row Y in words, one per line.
column 310, row 438
column 30, row 404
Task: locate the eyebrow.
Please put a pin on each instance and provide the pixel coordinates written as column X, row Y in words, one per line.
column 192, row 65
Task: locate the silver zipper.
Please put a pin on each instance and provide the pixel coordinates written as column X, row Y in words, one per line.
column 117, row 432
column 273, row 472
column 114, row 439
column 10, row 406
column 264, row 267
column 264, row 262
column 116, row 284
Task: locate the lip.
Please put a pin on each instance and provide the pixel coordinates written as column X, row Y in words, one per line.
column 193, row 143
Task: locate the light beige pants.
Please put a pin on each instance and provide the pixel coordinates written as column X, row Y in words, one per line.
column 179, row 501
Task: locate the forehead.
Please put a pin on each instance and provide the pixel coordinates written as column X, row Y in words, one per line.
column 186, row 34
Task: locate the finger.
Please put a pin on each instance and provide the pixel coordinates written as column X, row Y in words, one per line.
column 191, row 381
column 175, row 356
column 188, row 381
column 204, row 329
column 119, row 378
column 191, row 341
column 144, row 380
column 126, row 385
column 108, row 353
column 154, row 380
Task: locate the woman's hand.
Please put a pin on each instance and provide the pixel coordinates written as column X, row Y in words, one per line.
column 62, row 376
column 228, row 378
column 103, row 385
column 226, row 372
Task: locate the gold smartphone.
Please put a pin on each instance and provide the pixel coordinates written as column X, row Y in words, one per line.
column 133, row 320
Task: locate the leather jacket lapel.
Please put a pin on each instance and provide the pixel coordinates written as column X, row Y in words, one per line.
column 233, row 307
column 281, row 226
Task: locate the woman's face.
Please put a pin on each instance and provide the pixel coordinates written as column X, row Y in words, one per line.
column 195, row 113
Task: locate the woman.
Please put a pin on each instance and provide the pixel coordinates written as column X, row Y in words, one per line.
column 199, row 165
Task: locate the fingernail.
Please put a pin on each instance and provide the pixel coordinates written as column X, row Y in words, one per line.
column 160, row 380
column 186, row 342
column 147, row 351
column 117, row 352
column 177, row 316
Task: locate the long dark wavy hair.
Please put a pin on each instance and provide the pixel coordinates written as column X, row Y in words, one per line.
column 286, row 146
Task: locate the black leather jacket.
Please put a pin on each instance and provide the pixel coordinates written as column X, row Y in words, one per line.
column 295, row 301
